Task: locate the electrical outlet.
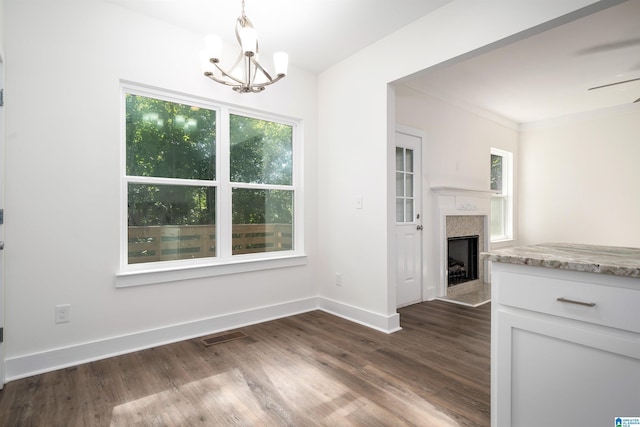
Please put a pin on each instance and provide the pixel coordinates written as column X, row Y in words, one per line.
column 338, row 279
column 62, row 313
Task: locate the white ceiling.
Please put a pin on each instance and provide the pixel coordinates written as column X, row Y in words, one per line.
column 315, row 33
column 548, row 75
column 544, row 76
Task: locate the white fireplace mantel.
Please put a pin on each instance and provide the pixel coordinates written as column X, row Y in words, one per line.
column 451, row 190
column 461, row 201
column 464, row 194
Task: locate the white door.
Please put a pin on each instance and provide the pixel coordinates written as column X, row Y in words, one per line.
column 408, row 218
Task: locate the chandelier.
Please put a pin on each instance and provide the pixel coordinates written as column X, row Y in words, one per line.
column 246, row 74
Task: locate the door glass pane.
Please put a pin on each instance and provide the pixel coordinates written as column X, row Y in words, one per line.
column 262, row 221
column 400, row 210
column 409, row 184
column 170, row 222
column 404, row 185
column 399, row 159
column 399, row 184
column 409, row 164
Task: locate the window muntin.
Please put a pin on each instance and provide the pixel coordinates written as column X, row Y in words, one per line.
column 210, row 206
column 404, row 185
column 502, row 203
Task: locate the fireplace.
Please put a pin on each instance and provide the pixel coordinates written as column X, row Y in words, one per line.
column 464, row 239
column 462, row 219
column 462, row 259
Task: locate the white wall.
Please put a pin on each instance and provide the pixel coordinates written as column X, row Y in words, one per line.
column 456, row 154
column 356, row 138
column 2, row 168
column 580, row 180
column 2, row 26
column 64, row 63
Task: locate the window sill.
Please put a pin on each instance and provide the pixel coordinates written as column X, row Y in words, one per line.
column 501, row 239
column 151, row 276
column 502, row 243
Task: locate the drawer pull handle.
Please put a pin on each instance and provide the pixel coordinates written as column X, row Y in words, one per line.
column 570, row 301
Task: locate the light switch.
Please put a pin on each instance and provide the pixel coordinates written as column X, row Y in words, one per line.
column 358, row 202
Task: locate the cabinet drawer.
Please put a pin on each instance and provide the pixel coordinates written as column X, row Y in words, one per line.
column 612, row 306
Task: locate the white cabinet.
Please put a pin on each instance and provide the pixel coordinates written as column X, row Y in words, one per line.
column 568, row 362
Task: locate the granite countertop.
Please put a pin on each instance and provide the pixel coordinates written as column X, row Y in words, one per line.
column 617, row 261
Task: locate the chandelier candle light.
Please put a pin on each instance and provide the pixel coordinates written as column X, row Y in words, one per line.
column 246, row 75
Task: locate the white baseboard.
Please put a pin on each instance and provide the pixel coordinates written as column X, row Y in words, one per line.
column 383, row 323
column 51, row 360
column 60, row 358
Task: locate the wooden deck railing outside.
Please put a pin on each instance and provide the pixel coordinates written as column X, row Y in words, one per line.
column 168, row 242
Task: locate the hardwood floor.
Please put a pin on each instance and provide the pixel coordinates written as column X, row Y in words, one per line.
column 305, row 370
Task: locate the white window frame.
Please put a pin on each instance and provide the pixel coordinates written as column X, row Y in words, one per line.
column 506, row 194
column 223, row 262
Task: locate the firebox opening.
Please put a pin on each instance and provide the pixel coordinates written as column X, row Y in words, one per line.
column 462, row 264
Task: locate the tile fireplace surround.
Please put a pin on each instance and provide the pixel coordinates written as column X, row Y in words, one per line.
column 462, row 212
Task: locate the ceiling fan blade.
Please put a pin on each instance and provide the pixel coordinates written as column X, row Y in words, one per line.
column 610, row 46
column 613, row 84
column 637, row 100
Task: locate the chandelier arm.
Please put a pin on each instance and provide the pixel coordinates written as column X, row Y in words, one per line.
column 266, row 73
column 227, row 74
column 238, row 26
column 262, row 85
column 261, row 68
column 224, row 82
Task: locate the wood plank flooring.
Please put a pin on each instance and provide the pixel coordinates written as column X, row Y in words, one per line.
column 312, row 369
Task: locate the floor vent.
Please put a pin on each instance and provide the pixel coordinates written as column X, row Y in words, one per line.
column 220, row 338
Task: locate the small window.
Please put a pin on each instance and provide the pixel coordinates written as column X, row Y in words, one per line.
column 502, row 202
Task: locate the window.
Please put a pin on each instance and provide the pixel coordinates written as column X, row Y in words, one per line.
column 261, row 164
column 171, row 180
column 204, row 185
column 502, row 202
